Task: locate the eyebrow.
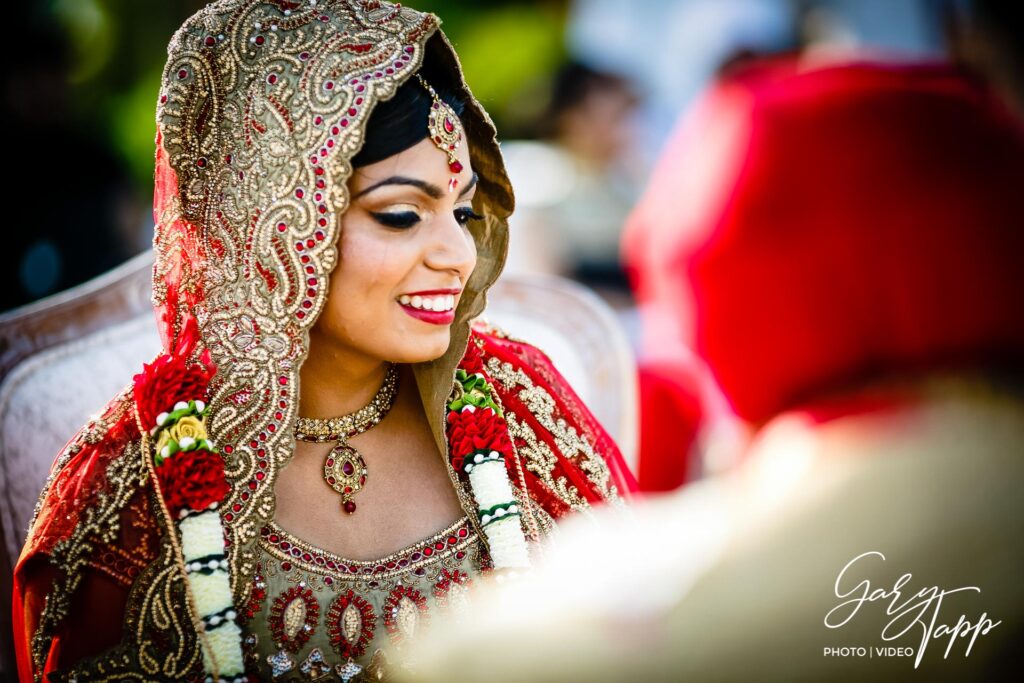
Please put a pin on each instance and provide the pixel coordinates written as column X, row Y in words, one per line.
column 429, row 189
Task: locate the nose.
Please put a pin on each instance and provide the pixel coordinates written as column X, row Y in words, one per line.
column 452, row 248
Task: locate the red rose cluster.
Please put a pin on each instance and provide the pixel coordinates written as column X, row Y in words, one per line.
column 470, row 431
column 192, row 480
column 170, row 378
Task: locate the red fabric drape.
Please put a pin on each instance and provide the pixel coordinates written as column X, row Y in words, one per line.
column 830, row 225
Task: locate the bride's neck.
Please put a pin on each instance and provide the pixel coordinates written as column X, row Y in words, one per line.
column 335, row 381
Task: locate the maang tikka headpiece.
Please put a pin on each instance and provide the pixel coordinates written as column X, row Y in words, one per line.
column 445, row 130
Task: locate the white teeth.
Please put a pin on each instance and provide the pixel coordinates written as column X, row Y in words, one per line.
column 436, row 303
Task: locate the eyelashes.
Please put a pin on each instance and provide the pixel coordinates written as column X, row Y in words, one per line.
column 466, row 214
column 407, row 219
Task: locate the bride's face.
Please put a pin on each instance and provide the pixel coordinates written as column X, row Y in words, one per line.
column 405, row 255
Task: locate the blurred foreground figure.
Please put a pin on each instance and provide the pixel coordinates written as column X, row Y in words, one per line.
column 856, row 293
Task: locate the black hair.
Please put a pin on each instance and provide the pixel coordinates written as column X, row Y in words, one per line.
column 399, row 123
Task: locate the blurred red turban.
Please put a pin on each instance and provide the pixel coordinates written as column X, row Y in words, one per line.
column 875, row 228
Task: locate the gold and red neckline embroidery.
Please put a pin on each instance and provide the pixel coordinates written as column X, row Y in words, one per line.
column 292, row 551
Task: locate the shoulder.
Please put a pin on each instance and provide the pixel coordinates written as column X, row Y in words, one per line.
column 569, row 461
column 80, row 470
column 91, row 535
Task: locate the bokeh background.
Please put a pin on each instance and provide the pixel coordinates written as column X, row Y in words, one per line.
column 604, row 81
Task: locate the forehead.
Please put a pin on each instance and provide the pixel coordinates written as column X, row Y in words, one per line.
column 423, row 161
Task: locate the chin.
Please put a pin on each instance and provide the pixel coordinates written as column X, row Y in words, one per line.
column 431, row 348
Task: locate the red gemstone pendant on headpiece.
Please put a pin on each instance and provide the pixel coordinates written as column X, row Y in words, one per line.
column 445, row 128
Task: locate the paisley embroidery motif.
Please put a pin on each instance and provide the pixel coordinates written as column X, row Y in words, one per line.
column 161, row 641
column 293, row 617
column 405, row 611
column 350, row 624
column 100, row 523
column 452, row 591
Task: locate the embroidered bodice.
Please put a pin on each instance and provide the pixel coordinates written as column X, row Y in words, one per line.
column 314, row 615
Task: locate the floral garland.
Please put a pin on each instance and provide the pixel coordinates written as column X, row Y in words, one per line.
column 188, row 472
column 479, row 447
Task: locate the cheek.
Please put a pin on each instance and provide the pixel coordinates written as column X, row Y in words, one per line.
column 370, row 271
column 362, row 260
column 471, row 243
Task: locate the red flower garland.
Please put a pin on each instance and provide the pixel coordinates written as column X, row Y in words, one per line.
column 470, row 431
column 193, row 480
column 170, row 378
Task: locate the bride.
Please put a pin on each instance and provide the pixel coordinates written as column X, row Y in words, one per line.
column 328, row 452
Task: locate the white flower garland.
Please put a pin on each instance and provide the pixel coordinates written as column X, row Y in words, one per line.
column 202, row 553
column 497, row 508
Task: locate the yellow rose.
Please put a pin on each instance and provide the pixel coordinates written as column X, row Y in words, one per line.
column 190, row 426
column 162, row 441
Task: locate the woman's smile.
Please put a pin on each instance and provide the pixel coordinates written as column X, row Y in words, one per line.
column 436, row 306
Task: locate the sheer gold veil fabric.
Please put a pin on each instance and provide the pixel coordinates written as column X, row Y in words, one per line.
column 261, row 108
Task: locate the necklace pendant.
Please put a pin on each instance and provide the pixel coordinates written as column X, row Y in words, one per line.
column 345, row 472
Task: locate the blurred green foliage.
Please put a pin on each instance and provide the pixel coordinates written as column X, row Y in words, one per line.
column 117, row 49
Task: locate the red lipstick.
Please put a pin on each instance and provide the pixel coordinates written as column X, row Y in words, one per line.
column 435, row 317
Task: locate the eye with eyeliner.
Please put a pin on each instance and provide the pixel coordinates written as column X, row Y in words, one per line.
column 396, row 219
column 407, row 219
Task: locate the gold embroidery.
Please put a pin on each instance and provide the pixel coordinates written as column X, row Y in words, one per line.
column 352, row 622
column 363, row 568
column 283, row 567
column 98, row 524
column 408, row 617
column 545, row 522
column 572, row 446
column 294, row 617
column 161, row 642
column 542, row 461
column 165, row 636
column 117, row 408
column 109, row 565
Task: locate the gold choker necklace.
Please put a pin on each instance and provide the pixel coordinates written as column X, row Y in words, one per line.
column 344, row 467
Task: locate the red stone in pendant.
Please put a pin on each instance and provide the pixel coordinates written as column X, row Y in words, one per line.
column 455, row 166
column 349, row 507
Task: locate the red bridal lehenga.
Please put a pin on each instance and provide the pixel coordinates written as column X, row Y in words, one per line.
column 153, row 553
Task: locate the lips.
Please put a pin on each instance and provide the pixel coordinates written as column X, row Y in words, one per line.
column 435, row 306
column 433, row 317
